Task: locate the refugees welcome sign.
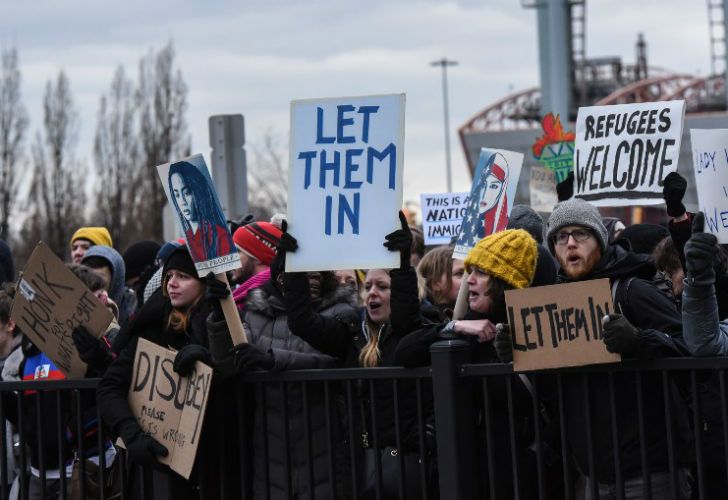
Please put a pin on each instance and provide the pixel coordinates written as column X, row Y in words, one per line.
column 345, row 181
column 624, row 152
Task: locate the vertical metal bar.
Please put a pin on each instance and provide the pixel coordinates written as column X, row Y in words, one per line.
column 79, row 432
column 61, row 437
column 261, row 389
column 423, row 450
column 489, row 436
column 646, row 480
column 353, row 441
column 41, row 452
column 586, row 393
column 697, row 427
column 512, row 429
column 667, row 393
column 23, row 447
column 124, row 472
column 245, row 443
column 4, row 449
column 724, row 416
column 286, row 438
column 329, row 440
column 375, row 440
column 566, row 463
column 398, row 441
column 103, row 472
column 307, row 438
column 616, row 448
column 537, row 433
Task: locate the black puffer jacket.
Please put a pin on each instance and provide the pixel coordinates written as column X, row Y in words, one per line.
column 280, row 436
column 213, row 455
column 652, row 311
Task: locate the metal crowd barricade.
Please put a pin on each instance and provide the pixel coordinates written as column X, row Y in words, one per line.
column 446, row 431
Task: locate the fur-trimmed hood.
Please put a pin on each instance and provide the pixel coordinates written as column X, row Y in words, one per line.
column 268, row 300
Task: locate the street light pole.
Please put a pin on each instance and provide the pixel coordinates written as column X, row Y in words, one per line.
column 444, row 63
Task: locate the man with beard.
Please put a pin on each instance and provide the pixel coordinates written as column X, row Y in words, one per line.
column 256, row 243
column 648, row 327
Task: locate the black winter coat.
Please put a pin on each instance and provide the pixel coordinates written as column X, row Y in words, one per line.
column 652, row 311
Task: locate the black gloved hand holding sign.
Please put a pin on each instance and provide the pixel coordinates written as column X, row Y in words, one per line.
column 215, row 291
column 401, row 241
column 186, row 358
column 145, row 450
column 702, row 254
column 621, row 336
column 286, row 244
column 92, row 351
column 249, row 357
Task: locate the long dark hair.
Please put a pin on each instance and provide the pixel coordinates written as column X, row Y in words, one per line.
column 208, row 211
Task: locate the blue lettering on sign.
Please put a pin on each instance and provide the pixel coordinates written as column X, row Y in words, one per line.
column 353, row 124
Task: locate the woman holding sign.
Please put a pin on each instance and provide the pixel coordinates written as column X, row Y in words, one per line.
column 202, row 221
column 174, row 318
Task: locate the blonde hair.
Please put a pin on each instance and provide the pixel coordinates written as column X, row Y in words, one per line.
column 436, row 263
column 369, row 356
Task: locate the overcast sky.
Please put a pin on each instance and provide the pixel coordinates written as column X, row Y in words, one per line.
column 254, row 57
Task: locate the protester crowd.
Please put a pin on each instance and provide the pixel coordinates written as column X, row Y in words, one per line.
column 670, row 290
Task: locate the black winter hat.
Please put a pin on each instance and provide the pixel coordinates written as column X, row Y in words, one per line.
column 180, row 260
column 644, row 237
column 139, row 256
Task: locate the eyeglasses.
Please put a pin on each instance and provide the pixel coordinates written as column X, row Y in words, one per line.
column 562, row 237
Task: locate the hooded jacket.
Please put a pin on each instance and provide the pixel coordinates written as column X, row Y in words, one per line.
column 280, row 434
column 655, row 314
column 122, row 296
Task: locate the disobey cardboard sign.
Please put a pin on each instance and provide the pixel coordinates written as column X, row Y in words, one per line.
column 51, row 302
column 559, row 325
column 171, row 408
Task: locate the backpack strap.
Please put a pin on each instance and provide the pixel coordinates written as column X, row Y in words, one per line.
column 616, row 289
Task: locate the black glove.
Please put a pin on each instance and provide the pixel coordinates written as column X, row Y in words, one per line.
column 286, row 244
column 701, row 254
column 185, row 359
column 401, row 241
column 673, row 191
column 144, row 450
column 249, row 357
column 92, row 351
column 215, row 291
column 565, row 188
column 621, row 337
column 503, row 342
column 237, row 224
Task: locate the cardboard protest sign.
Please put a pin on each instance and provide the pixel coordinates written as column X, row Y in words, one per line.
column 542, row 186
column 710, row 160
column 559, row 325
column 491, row 197
column 51, row 301
column 624, row 152
column 555, row 148
column 190, row 192
column 169, row 407
column 442, row 214
column 345, row 181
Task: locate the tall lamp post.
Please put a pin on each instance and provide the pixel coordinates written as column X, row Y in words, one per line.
column 444, row 63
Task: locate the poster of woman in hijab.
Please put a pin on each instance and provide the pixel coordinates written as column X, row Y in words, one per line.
column 491, row 197
column 190, row 192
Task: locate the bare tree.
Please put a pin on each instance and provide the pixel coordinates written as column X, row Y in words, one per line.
column 57, row 193
column 117, row 153
column 13, row 125
column 268, row 174
column 162, row 100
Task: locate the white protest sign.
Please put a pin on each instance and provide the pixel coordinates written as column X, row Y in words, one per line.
column 345, row 181
column 624, row 152
column 542, row 187
column 442, row 214
column 491, row 197
column 710, row 160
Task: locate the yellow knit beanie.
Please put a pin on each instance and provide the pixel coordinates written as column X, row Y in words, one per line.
column 96, row 235
column 508, row 255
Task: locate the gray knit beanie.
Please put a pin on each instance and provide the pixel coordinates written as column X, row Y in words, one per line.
column 576, row 212
column 526, row 218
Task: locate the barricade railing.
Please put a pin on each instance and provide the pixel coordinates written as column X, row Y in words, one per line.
column 454, row 430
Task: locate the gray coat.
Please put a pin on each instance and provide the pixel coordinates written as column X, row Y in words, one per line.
column 280, row 434
column 705, row 334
